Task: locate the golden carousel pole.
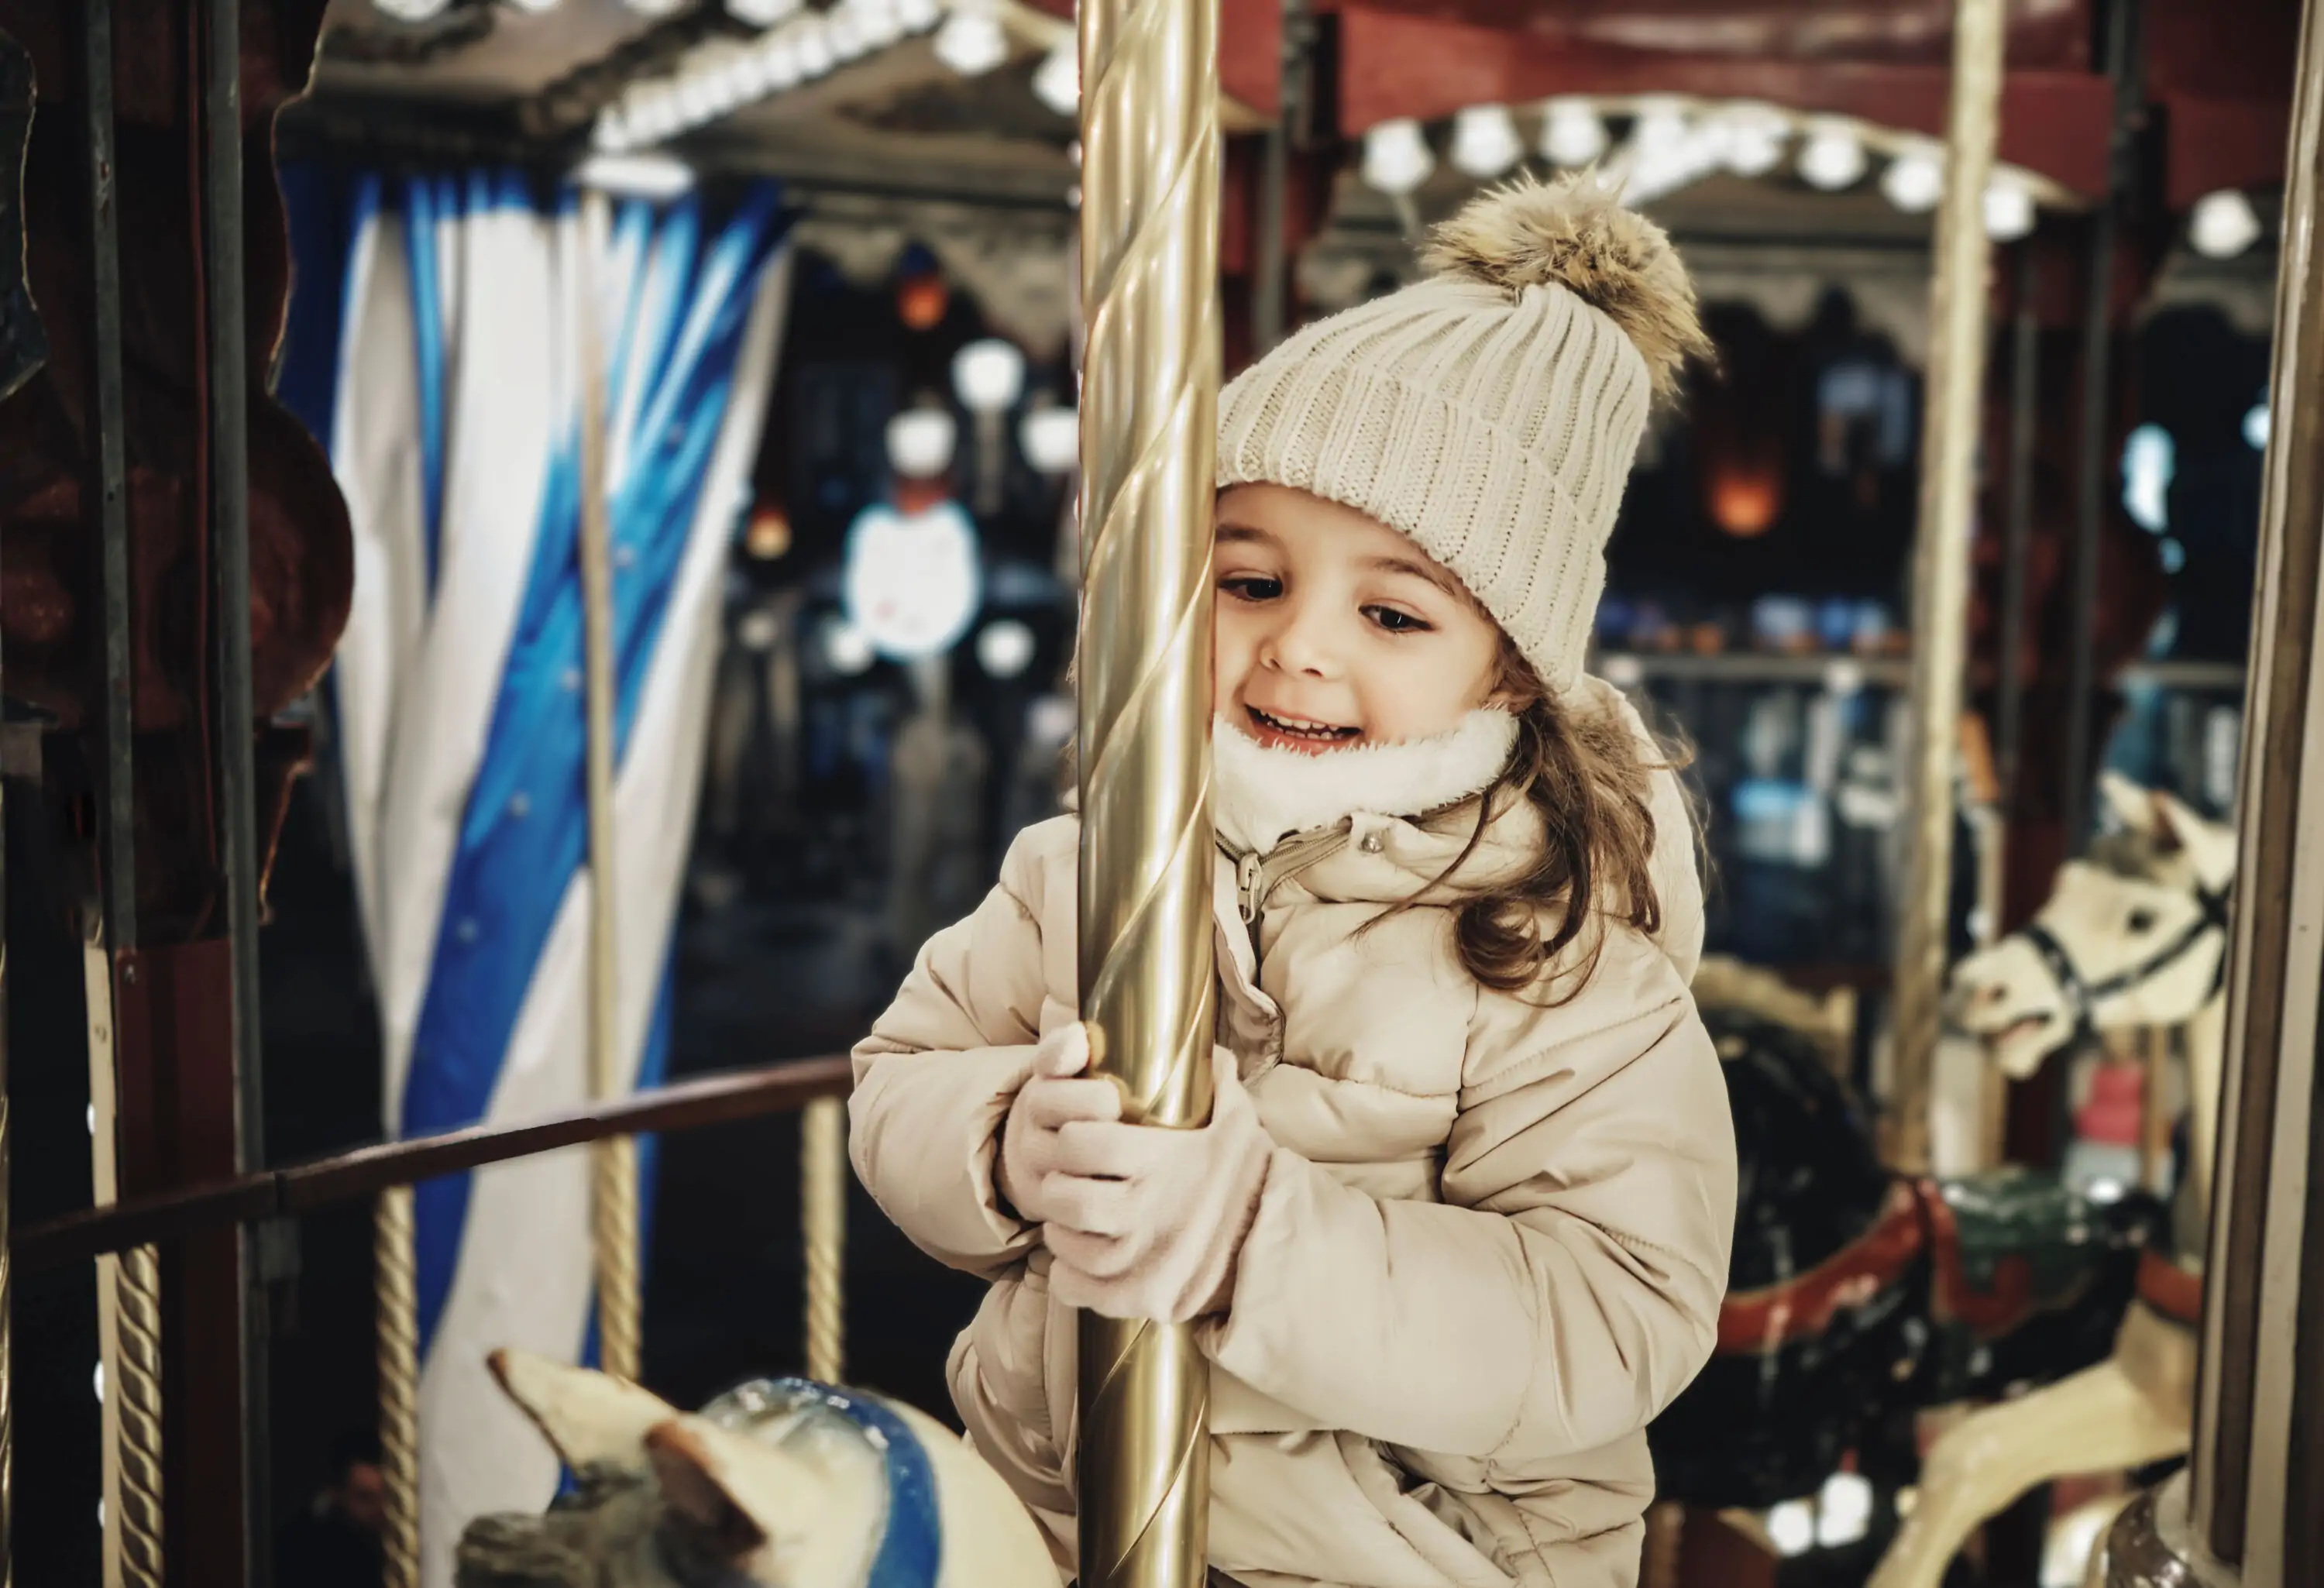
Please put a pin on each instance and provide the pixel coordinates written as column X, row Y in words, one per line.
column 1149, row 398
column 2249, row 1508
column 1940, row 568
column 396, row 1281
column 614, row 1166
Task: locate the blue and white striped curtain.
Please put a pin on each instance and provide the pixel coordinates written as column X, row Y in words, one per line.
column 452, row 417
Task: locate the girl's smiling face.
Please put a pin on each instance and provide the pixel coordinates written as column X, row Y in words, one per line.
column 1334, row 630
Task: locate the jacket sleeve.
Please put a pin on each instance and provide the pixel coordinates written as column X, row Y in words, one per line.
column 935, row 1078
column 1568, row 1286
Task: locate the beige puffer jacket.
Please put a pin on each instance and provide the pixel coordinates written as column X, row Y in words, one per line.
column 1493, row 1238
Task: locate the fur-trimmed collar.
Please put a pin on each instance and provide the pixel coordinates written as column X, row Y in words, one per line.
column 1261, row 794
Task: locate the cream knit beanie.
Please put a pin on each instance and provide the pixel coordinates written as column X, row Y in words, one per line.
column 1491, row 411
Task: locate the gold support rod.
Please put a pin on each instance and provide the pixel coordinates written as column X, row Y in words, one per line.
column 1149, row 401
column 1941, row 567
column 823, row 1217
column 128, row 1311
column 398, row 1346
column 614, row 1164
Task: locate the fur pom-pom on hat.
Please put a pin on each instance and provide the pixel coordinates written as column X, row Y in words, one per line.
column 1574, row 233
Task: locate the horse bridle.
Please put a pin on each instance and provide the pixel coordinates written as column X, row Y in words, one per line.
column 2082, row 998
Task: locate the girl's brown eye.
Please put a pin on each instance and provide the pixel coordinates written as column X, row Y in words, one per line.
column 1253, row 588
column 1394, row 621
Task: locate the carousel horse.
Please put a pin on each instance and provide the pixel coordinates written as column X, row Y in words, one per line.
column 1857, row 1297
column 2134, row 934
column 780, row 1482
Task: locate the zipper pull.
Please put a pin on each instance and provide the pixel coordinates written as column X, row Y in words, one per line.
column 1248, row 878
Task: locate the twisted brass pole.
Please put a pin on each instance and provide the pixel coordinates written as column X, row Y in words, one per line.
column 397, row 1347
column 128, row 1307
column 1941, row 566
column 1149, row 399
column 823, row 1217
column 613, row 1163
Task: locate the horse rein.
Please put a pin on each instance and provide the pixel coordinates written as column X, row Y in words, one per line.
column 2082, row 998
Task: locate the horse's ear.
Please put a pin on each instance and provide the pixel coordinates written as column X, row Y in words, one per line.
column 750, row 1501
column 2211, row 846
column 2131, row 804
column 591, row 1420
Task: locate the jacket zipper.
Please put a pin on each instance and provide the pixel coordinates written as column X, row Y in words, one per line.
column 1257, row 877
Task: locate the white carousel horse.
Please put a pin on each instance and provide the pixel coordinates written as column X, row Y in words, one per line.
column 2135, row 935
column 780, row 1482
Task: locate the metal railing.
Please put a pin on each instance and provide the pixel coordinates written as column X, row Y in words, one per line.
column 814, row 1088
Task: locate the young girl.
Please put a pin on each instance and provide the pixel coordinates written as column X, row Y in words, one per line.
column 1458, row 1226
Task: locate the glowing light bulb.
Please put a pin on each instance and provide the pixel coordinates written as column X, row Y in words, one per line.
column 1915, row 180
column 1397, row 157
column 2008, row 208
column 2223, row 225
column 1058, row 83
column 1572, row 132
column 1832, row 158
column 1485, row 141
column 972, row 43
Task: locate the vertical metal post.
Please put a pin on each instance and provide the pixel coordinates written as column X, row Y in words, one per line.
column 129, row 1300
column 823, row 1220
column 2124, row 64
column 2246, row 1509
column 395, row 1265
column 1941, row 565
column 225, row 336
column 614, row 1177
column 1271, row 289
column 2024, row 393
column 1149, row 403
column 23, row 354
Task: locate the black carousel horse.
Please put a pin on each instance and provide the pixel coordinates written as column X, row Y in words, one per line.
column 1857, row 1297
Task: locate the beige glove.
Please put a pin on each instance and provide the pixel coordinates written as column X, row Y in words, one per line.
column 1051, row 1098
column 1147, row 1222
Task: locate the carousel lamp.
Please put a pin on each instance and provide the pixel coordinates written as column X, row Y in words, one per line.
column 1668, row 151
column 917, row 16
column 2256, row 427
column 811, row 49
column 1843, row 1511
column 972, row 41
column 780, row 58
column 1790, row 1528
column 1752, row 138
column 878, row 21
column 2008, row 208
column 1058, row 83
column 535, row 8
column 760, row 14
column 1051, row 438
column 920, row 442
column 1485, row 141
column 1397, row 159
column 843, row 31
column 988, row 375
column 1004, row 647
column 1832, row 158
column 611, row 134
column 758, row 631
column 847, row 648
column 2150, row 460
column 2223, row 225
column 410, row 11
column 636, row 176
column 1915, row 180
column 1571, row 132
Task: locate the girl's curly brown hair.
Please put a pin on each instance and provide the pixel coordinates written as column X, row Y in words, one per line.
column 1590, row 782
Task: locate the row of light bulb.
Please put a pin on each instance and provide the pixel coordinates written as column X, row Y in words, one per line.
column 796, row 47
column 1672, row 144
column 988, row 376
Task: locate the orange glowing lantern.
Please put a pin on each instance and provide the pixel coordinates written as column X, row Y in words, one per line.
column 922, row 299
column 1744, row 502
column 768, row 535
